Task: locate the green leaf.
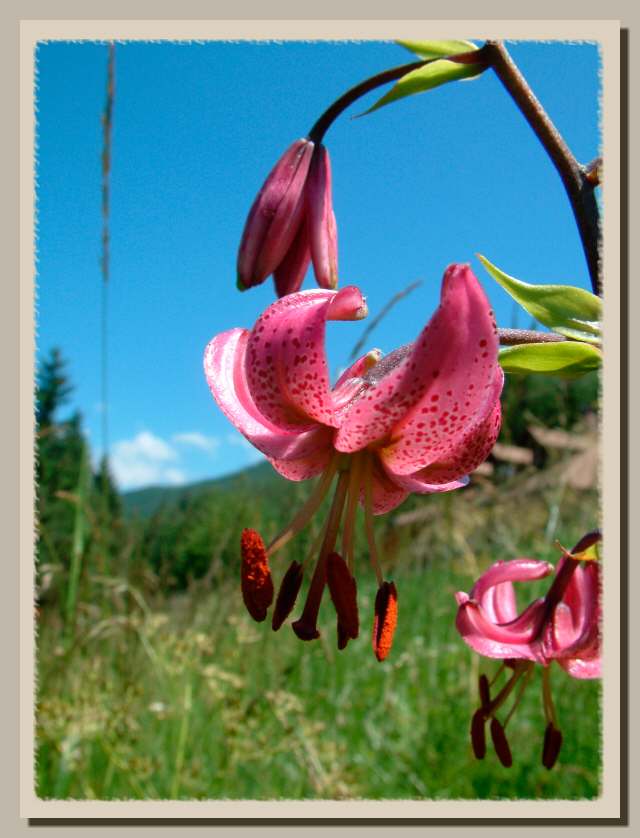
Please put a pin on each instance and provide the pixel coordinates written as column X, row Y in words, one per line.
column 568, row 359
column 425, row 78
column 572, row 312
column 437, row 49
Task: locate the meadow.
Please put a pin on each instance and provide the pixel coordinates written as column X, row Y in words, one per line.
column 161, row 686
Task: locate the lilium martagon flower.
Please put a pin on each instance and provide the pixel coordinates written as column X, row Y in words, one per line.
column 291, row 224
column 563, row 626
column 417, row 420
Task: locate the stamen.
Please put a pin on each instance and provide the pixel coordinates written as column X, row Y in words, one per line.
column 342, row 587
column 355, row 476
column 368, row 518
column 308, row 510
column 256, row 583
column 385, row 619
column 498, row 674
column 528, row 672
column 306, row 627
column 552, row 745
column 519, row 668
column 500, row 743
column 314, row 550
column 483, row 691
column 478, row 740
column 287, row 595
column 343, row 637
column 547, row 698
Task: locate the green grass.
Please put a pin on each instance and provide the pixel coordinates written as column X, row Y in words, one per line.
column 182, row 696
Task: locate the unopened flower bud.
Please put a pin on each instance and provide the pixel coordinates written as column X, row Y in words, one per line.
column 275, row 217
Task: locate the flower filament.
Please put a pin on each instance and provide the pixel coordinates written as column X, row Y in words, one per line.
column 354, row 473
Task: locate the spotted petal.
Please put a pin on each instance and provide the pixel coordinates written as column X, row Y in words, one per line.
column 420, row 483
column 386, row 495
column 285, row 362
column 451, row 447
column 457, row 420
column 449, row 371
column 224, row 366
column 312, row 464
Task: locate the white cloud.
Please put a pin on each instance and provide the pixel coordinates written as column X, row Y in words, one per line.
column 198, row 440
column 144, row 460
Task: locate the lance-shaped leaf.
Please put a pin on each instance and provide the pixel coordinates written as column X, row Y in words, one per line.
column 572, row 312
column 425, row 78
column 568, row 359
column 437, row 49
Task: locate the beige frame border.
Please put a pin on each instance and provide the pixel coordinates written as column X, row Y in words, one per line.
column 607, row 33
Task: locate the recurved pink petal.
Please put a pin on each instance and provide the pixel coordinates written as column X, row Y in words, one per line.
column 321, row 221
column 290, row 273
column 285, row 362
column 303, row 468
column 513, row 640
column 386, row 495
column 449, row 371
column 515, row 570
column 451, row 442
column 580, row 668
column 224, row 366
column 574, row 631
column 275, row 216
column 420, row 482
column 499, row 603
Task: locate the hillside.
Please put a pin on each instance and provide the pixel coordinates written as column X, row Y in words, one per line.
column 145, row 502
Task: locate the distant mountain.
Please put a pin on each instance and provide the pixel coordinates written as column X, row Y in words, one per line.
column 145, row 502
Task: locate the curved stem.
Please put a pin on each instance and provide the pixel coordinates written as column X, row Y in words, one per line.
column 322, row 125
column 578, row 180
column 563, row 577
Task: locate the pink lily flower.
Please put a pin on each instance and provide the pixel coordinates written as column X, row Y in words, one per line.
column 291, row 223
column 564, row 626
column 418, row 420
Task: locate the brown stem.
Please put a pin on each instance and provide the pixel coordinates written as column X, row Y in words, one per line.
column 576, row 179
column 514, row 337
column 559, row 585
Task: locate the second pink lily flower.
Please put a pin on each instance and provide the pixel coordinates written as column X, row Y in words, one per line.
column 418, row 420
column 291, row 224
column 562, row 626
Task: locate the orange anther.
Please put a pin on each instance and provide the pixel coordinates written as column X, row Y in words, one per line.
column 385, row 619
column 257, row 586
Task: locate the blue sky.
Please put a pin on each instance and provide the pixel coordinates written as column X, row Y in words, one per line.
column 427, row 181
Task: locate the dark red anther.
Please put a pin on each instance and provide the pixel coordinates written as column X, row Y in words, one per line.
column 255, row 576
column 478, row 740
column 287, row 594
column 385, row 619
column 500, row 743
column 343, row 637
column 306, row 627
column 342, row 587
column 552, row 745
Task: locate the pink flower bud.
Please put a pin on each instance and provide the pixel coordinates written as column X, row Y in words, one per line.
column 323, row 237
column 275, row 217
